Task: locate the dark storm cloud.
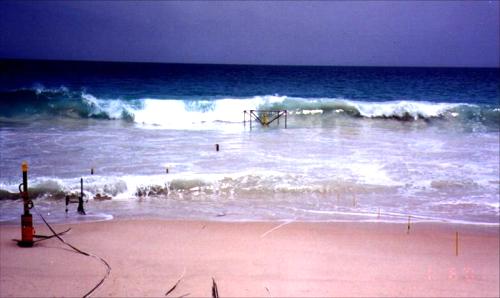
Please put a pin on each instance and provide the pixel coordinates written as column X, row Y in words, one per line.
column 420, row 33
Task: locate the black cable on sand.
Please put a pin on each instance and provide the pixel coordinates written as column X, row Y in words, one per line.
column 108, row 268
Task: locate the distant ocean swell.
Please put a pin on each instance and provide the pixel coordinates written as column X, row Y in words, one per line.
column 62, row 102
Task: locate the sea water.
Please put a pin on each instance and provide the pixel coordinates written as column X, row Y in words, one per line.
column 360, row 143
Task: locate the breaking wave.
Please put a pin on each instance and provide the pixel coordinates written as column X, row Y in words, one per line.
column 182, row 113
column 42, row 102
column 189, row 186
column 293, row 193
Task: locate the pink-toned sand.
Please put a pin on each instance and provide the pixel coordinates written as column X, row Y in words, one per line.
column 147, row 257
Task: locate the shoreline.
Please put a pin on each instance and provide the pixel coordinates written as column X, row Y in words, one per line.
column 121, row 210
column 259, row 259
column 102, row 218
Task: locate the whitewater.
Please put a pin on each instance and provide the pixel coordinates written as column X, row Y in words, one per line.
column 361, row 144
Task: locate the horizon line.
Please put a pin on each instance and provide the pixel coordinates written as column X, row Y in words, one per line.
column 240, row 64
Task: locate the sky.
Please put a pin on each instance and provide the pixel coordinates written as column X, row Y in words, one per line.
column 361, row 33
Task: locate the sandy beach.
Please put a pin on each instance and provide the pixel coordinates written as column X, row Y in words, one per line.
column 250, row 148
column 257, row 259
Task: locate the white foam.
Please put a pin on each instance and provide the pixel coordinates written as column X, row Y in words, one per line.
column 401, row 108
column 114, row 108
column 372, row 174
column 177, row 114
column 180, row 114
column 199, row 114
column 310, row 112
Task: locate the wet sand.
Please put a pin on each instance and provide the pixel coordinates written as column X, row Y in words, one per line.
column 257, row 259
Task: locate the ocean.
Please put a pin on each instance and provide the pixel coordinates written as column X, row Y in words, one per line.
column 374, row 144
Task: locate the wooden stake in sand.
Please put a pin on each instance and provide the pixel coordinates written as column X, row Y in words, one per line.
column 215, row 292
column 409, row 218
column 176, row 284
column 268, row 292
column 456, row 244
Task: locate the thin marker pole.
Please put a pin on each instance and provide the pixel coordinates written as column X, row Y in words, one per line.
column 456, row 244
column 80, row 208
column 408, row 231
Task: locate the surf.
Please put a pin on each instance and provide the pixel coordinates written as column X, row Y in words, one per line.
column 179, row 113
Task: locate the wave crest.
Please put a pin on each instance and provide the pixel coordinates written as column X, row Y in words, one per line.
column 42, row 102
column 184, row 114
column 188, row 186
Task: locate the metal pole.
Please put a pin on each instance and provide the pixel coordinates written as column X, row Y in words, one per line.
column 25, row 189
column 67, row 203
column 80, row 208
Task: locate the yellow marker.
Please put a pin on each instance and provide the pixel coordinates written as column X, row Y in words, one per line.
column 24, row 166
column 265, row 120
